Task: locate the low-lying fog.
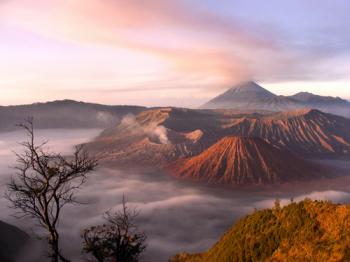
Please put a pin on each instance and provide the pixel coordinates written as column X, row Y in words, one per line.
column 175, row 216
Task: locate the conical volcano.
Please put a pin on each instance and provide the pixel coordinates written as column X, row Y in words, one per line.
column 244, row 161
column 250, row 96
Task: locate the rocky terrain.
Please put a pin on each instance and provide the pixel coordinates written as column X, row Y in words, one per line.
column 251, row 148
column 159, row 136
column 308, row 132
column 241, row 161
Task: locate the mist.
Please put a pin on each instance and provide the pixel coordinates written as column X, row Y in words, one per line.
column 176, row 216
column 158, row 132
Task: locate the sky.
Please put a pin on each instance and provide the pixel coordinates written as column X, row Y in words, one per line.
column 166, row 52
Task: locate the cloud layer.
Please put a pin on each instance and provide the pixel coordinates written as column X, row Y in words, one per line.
column 176, row 216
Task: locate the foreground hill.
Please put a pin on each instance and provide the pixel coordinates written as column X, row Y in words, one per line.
column 242, row 161
column 12, row 240
column 65, row 114
column 305, row 231
column 251, row 96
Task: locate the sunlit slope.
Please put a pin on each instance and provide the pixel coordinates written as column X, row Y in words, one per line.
column 305, row 231
column 239, row 160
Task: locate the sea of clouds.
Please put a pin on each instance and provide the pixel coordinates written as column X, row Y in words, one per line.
column 176, row 216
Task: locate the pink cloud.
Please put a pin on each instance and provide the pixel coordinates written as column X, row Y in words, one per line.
column 192, row 41
column 131, row 44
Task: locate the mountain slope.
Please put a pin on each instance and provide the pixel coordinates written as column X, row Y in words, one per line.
column 65, row 114
column 12, row 240
column 305, row 231
column 156, row 137
column 239, row 160
column 308, row 132
column 248, row 96
column 249, row 91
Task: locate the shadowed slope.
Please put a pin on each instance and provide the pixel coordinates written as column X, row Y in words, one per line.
column 238, row 160
column 334, row 105
column 12, row 240
column 318, row 100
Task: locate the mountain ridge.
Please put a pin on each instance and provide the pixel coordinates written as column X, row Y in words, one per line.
column 64, row 114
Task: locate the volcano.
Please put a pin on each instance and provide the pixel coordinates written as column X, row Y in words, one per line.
column 244, row 161
column 249, row 96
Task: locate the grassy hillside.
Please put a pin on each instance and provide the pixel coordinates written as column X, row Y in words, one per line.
column 305, row 231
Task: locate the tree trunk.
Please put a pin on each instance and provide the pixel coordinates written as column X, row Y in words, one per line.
column 54, row 250
column 56, row 255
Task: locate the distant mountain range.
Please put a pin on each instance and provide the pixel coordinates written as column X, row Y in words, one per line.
column 304, row 231
column 247, row 97
column 251, row 96
column 65, row 114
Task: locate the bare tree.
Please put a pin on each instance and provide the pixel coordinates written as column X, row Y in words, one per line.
column 117, row 241
column 44, row 183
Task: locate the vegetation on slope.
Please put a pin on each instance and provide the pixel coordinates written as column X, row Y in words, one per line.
column 305, row 231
